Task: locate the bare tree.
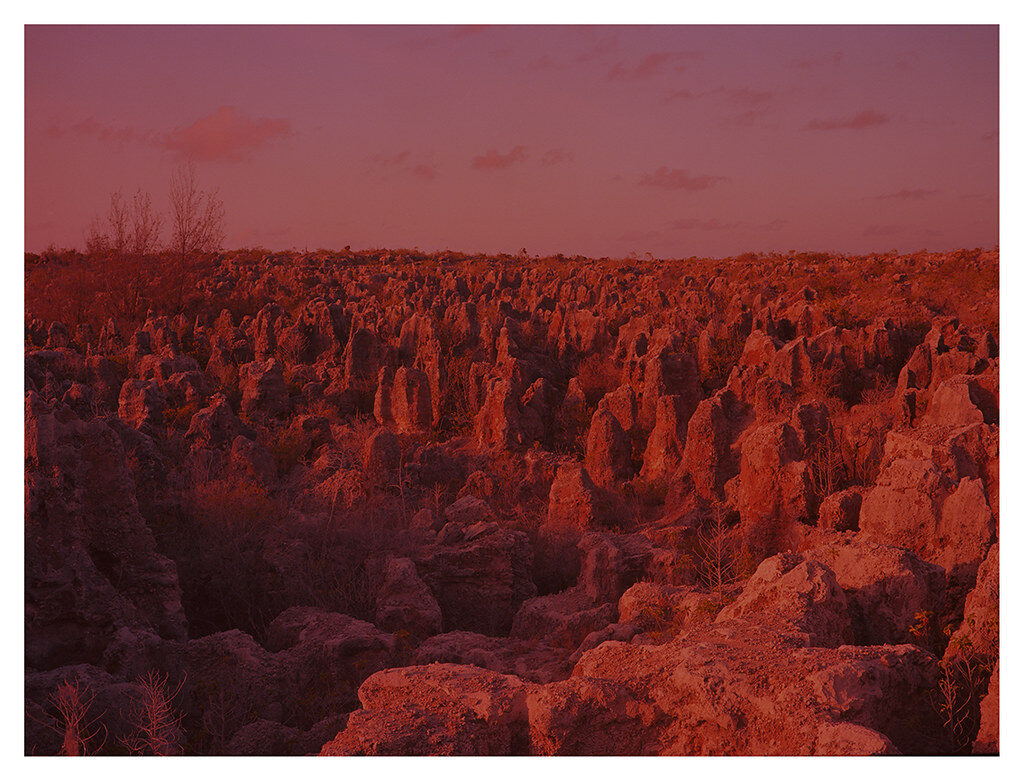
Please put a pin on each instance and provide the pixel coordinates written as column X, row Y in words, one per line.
column 145, row 226
column 197, row 222
column 131, row 228
column 197, row 216
column 128, row 238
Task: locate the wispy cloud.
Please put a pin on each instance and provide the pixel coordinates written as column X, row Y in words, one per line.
column 226, row 134
column 402, row 161
column 696, row 224
column 118, row 135
column 604, row 48
column 426, row 172
column 391, row 160
column 906, row 61
column 741, row 95
column 667, row 178
column 747, row 118
column 556, row 156
column 467, row 30
column 905, row 195
column 861, row 121
column 636, row 235
column 811, row 63
column 653, row 64
column 493, row 160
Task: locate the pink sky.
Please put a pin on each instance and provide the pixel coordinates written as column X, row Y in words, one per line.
column 594, row 140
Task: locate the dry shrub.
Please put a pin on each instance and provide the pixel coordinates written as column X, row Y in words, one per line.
column 597, row 375
column 957, row 698
column 724, row 354
column 350, row 440
column 716, row 557
column 457, row 407
column 288, row 445
column 662, row 621
column 156, row 724
column 217, row 548
column 880, row 394
column 826, row 468
column 181, row 417
column 81, row 732
column 236, row 510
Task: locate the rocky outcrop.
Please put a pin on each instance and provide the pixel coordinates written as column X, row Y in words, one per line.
column 497, row 424
column 91, row 564
column 711, row 456
column 436, row 710
column 263, row 388
column 608, row 458
column 480, row 582
column 405, row 605
column 531, row 660
column 574, row 502
column 562, row 619
column 795, row 595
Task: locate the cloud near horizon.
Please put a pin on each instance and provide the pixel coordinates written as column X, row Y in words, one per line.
column 424, row 171
column 401, row 161
column 109, row 134
column 906, row 195
column 555, row 156
column 865, row 119
column 742, row 95
column 492, row 160
column 694, row 223
column 810, row 63
column 226, row 134
column 667, row 178
column 652, row 65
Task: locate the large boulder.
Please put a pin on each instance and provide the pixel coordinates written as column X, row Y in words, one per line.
column 574, row 502
column 438, row 709
column 141, row 405
column 916, row 506
column 892, row 595
column 215, row 426
column 667, row 442
column 735, row 688
column 610, row 563
column 794, row 594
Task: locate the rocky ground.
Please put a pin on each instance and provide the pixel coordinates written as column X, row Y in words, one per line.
column 388, row 503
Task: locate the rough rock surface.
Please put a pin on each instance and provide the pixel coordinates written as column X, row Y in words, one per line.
column 794, row 594
column 91, row 564
column 562, row 619
column 479, row 583
column 405, row 604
